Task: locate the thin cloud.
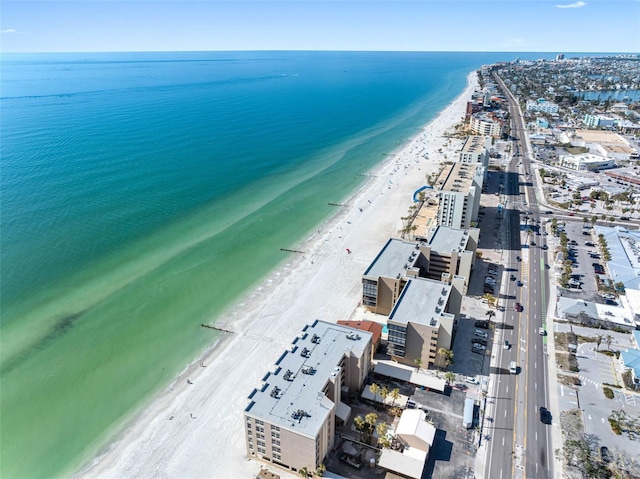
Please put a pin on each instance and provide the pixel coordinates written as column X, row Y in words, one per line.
column 9, row 30
column 572, row 5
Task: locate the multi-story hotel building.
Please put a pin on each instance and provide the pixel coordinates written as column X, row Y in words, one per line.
column 476, row 150
column 290, row 420
column 447, row 254
column 543, row 105
column 482, row 124
column 419, row 323
column 459, row 188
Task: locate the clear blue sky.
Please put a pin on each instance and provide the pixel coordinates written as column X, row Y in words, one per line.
column 422, row 25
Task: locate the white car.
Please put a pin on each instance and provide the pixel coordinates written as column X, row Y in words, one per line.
column 479, row 346
column 470, row 380
column 542, row 332
column 481, row 334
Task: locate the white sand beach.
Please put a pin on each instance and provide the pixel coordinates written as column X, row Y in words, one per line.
column 196, row 430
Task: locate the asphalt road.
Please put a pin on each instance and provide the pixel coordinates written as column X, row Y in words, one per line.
column 519, row 442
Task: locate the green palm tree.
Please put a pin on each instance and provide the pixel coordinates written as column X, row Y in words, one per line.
column 450, row 377
column 375, row 389
column 384, row 393
column 395, row 395
column 418, row 362
column 491, row 313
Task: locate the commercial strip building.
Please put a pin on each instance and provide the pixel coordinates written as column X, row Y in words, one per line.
column 585, row 162
column 290, row 420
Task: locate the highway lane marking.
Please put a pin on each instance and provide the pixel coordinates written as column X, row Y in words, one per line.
column 505, row 413
column 536, row 385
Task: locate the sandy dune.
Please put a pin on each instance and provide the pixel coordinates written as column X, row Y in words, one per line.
column 196, row 430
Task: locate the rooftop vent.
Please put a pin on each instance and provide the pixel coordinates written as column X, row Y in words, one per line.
column 399, row 275
column 299, row 414
column 288, row 376
column 305, row 353
column 353, row 336
column 308, row 370
column 440, row 301
column 315, row 339
column 444, row 291
column 276, row 392
column 433, row 322
column 438, row 309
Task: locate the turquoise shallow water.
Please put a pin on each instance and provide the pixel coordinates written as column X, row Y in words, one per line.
column 143, row 193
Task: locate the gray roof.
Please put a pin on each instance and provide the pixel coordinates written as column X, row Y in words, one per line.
column 393, row 259
column 624, row 246
column 445, row 239
column 422, row 301
column 298, row 403
column 574, row 307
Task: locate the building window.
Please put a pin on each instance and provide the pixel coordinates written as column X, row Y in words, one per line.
column 259, row 429
column 275, row 428
column 261, row 451
column 277, row 456
column 250, row 446
column 261, row 443
column 261, row 423
column 275, row 442
column 275, row 434
column 276, row 449
column 260, row 436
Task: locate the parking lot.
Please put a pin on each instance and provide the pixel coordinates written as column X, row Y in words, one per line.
column 453, row 450
column 585, row 286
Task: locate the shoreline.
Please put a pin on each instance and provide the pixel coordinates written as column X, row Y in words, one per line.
column 178, row 433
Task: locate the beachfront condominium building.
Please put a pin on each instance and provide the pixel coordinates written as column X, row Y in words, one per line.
column 420, row 324
column 476, row 150
column 445, row 254
column 459, row 187
column 291, row 419
column 483, row 124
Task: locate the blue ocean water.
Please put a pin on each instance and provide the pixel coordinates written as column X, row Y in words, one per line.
column 142, row 193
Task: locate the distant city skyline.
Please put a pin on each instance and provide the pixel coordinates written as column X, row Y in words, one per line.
column 426, row 25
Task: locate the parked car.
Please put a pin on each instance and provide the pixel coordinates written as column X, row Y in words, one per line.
column 519, row 308
column 479, row 340
column 482, row 324
column 471, row 380
column 481, row 334
column 605, row 455
column 351, row 460
column 519, row 283
column 542, row 332
column 506, row 345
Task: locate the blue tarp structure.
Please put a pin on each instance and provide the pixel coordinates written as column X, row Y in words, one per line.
column 417, row 192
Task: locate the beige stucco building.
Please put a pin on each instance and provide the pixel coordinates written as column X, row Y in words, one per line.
column 445, row 253
column 290, row 420
column 483, row 124
column 420, row 322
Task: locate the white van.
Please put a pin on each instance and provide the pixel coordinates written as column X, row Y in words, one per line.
column 513, row 368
